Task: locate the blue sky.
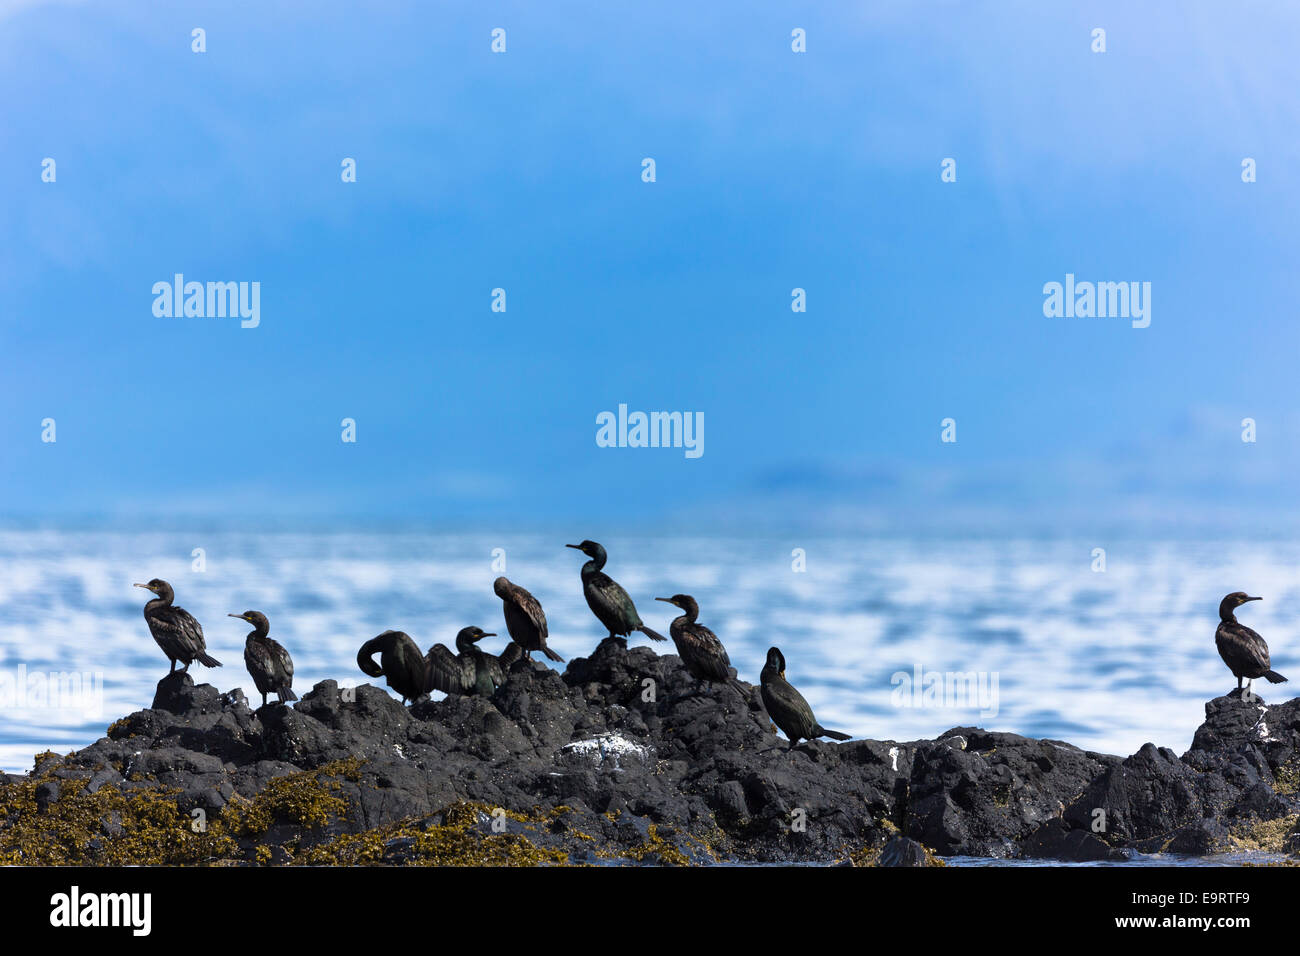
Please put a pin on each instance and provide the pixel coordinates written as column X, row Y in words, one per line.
column 775, row 170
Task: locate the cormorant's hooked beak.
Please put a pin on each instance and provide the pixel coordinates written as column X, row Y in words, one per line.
column 238, row 617
column 666, row 600
column 145, row 586
column 1244, row 600
column 487, row 634
column 577, row 546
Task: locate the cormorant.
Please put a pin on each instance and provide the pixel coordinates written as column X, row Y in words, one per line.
column 607, row 600
column 699, row 648
column 471, row 671
column 266, row 659
column 1242, row 649
column 174, row 628
column 525, row 619
column 786, row 706
column 400, row 661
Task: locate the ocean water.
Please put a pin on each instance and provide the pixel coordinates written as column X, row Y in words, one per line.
column 1105, row 660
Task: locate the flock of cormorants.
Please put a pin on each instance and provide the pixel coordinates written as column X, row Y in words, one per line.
column 473, row 671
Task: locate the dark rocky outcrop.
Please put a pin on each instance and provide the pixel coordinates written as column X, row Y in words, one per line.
column 608, row 760
column 904, row 851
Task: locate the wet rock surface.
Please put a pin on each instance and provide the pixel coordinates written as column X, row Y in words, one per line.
column 623, row 757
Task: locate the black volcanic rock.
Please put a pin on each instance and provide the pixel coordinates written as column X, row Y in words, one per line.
column 622, row 754
column 178, row 694
column 903, row 851
column 1149, row 794
column 1053, row 840
column 1248, row 742
column 986, row 799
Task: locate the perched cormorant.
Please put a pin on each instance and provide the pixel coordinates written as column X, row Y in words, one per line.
column 174, row 628
column 400, row 661
column 699, row 648
column 266, row 659
column 1242, row 649
column 786, row 706
column 525, row 619
column 471, row 671
column 607, row 600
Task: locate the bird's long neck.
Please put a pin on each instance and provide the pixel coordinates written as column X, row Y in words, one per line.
column 464, row 645
column 773, row 668
column 1226, row 614
column 686, row 619
column 161, row 601
column 596, row 563
column 259, row 631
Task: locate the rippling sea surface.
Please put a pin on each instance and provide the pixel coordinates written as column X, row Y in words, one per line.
column 1105, row 660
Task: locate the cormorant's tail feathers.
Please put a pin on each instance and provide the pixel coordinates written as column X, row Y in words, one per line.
column 552, row 655
column 736, row 686
column 287, row 695
column 207, row 660
column 653, row 635
column 833, row 734
column 1275, row 678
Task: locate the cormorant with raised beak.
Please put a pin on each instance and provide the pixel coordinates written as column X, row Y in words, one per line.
column 607, row 600
column 400, row 661
column 174, row 628
column 470, row 671
column 699, row 648
column 1242, row 649
column 266, row 659
column 525, row 619
column 786, row 706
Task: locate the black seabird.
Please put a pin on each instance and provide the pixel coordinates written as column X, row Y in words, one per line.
column 1242, row 649
column 607, row 600
column 400, row 662
column 786, row 706
column 699, row 648
column 525, row 619
column 471, row 670
column 266, row 659
column 174, row 628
